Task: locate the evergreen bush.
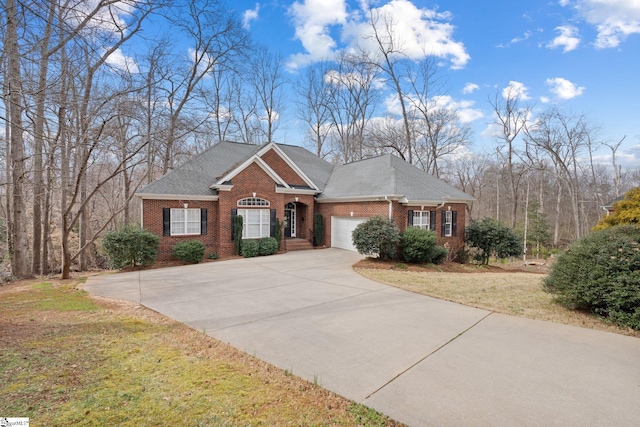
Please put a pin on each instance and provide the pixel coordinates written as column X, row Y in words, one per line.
column 492, row 238
column 377, row 236
column 318, row 230
column 250, row 248
column 267, row 246
column 131, row 245
column 420, row 246
column 237, row 234
column 278, row 233
column 599, row 274
column 190, row 251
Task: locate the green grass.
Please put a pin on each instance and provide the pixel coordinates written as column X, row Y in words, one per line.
column 68, row 360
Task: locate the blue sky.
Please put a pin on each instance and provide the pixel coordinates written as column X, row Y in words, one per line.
column 581, row 54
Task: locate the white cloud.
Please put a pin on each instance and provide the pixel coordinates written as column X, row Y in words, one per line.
column 466, row 112
column 313, row 20
column 614, row 20
column 470, row 88
column 544, row 100
column 567, row 39
column 516, row 90
column 250, row 15
column 122, row 62
column 418, row 31
column 563, row 88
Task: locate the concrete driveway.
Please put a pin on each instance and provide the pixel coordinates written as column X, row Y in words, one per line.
column 422, row 361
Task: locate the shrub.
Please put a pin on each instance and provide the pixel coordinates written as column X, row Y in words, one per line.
column 420, row 245
column 491, row 237
column 250, row 248
column 190, row 251
column 213, row 255
column 318, row 229
column 599, row 274
column 131, row 245
column 278, row 232
column 237, row 234
column 377, row 237
column 267, row 246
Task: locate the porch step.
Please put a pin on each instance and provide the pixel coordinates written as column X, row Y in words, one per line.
column 298, row 245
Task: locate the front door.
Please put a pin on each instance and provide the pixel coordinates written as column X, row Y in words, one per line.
column 290, row 220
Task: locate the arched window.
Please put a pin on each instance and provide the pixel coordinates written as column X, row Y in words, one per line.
column 253, row 201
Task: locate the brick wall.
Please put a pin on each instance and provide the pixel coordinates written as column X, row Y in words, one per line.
column 399, row 214
column 152, row 220
column 281, row 167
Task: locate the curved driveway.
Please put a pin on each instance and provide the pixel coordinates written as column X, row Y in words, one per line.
column 420, row 360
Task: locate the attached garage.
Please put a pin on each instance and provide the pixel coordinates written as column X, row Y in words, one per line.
column 341, row 229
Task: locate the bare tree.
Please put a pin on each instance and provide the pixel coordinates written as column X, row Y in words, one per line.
column 617, row 171
column 511, row 119
column 351, row 105
column 314, row 90
column 20, row 266
column 268, row 81
column 564, row 137
column 388, row 58
column 217, row 38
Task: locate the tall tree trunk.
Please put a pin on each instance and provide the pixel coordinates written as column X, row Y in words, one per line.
column 556, row 231
column 20, row 255
column 38, row 140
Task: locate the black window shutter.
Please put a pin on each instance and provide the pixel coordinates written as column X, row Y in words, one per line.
column 432, row 221
column 454, row 222
column 409, row 218
column 442, row 223
column 166, row 221
column 234, row 214
column 203, row 221
column 272, row 223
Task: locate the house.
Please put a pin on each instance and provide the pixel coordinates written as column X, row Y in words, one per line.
column 608, row 208
column 277, row 181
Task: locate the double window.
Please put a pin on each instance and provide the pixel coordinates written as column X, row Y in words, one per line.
column 422, row 219
column 183, row 222
column 256, row 223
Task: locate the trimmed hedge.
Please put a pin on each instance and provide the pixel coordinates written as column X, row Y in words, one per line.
column 190, row 251
column 268, row 246
column 250, row 248
column 600, row 274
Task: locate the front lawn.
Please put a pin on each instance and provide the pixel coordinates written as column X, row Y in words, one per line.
column 70, row 359
column 510, row 292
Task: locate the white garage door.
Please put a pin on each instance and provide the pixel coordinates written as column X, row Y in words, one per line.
column 341, row 229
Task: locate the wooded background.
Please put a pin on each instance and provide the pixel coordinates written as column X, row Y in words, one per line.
column 86, row 126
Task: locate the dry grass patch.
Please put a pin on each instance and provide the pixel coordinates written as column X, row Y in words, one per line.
column 514, row 293
column 70, row 359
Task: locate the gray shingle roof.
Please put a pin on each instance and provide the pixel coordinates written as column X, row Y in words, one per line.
column 316, row 169
column 196, row 176
column 388, row 175
column 385, row 175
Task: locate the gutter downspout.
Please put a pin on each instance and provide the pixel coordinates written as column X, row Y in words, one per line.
column 390, row 207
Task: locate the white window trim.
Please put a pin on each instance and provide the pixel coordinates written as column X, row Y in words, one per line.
column 420, row 215
column 185, row 223
column 448, row 223
column 264, row 224
column 254, row 201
